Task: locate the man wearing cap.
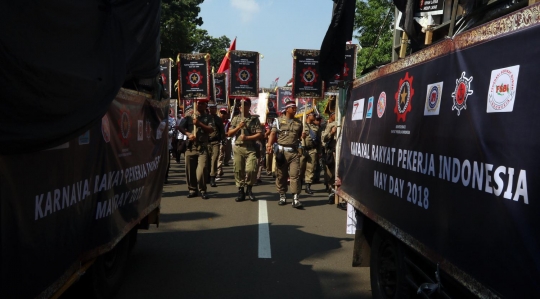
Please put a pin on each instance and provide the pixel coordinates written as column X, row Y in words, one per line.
column 311, row 138
column 329, row 138
column 288, row 130
column 197, row 129
column 216, row 138
column 247, row 130
column 225, row 148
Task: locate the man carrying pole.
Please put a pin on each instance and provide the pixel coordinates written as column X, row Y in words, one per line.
column 247, row 129
column 197, row 129
column 310, row 140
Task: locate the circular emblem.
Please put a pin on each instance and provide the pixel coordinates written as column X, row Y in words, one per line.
column 381, row 104
column 244, row 75
column 194, row 78
column 433, row 97
column 106, row 128
column 218, row 92
column 462, row 91
column 502, row 90
column 309, row 76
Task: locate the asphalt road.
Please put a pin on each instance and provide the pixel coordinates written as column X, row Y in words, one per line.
column 210, row 248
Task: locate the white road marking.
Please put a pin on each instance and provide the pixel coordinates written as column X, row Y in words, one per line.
column 264, row 231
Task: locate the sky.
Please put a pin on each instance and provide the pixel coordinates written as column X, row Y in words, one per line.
column 271, row 27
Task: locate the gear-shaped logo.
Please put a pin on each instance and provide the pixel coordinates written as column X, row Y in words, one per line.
column 462, row 91
column 194, row 78
column 404, row 97
column 125, row 126
column 244, row 75
column 309, row 76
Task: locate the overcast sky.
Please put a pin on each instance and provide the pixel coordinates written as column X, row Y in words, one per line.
column 271, row 27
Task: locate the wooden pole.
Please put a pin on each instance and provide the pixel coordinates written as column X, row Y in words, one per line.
column 429, row 37
column 194, row 117
column 403, row 49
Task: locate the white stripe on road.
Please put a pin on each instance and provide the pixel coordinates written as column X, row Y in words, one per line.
column 264, row 232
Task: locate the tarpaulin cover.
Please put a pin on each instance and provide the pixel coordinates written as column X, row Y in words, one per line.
column 62, row 62
column 66, row 205
column 440, row 149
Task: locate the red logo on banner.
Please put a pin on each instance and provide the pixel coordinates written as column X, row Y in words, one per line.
column 194, row 78
column 462, row 91
column 309, row 76
column 244, row 75
column 218, row 91
column 404, row 98
column 125, row 126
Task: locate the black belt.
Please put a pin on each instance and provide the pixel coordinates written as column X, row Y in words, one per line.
column 215, row 139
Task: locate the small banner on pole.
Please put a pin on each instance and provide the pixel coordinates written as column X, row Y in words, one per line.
column 306, row 80
column 272, row 106
column 304, row 105
column 188, row 106
column 165, row 74
column 244, row 76
column 220, row 88
column 349, row 70
column 193, row 76
column 284, row 94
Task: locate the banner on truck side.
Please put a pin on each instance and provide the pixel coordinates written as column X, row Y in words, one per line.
column 440, row 152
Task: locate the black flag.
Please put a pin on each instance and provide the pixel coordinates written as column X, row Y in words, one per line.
column 338, row 34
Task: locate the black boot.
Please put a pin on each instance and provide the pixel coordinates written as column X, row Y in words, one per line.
column 331, row 198
column 250, row 193
column 213, row 181
column 241, row 195
column 308, row 189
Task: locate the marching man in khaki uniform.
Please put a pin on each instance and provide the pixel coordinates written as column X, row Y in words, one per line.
column 329, row 138
column 197, row 129
column 216, row 138
column 247, row 130
column 288, row 131
column 312, row 139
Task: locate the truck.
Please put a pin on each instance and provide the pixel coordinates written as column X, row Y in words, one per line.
column 438, row 158
column 83, row 142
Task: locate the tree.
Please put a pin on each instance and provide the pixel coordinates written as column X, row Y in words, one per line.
column 216, row 47
column 179, row 21
column 374, row 23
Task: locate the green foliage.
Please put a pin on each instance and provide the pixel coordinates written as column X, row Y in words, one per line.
column 179, row 21
column 374, row 18
column 217, row 47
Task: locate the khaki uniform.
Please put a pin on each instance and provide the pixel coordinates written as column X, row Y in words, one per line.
column 330, row 140
column 288, row 136
column 245, row 159
column 310, row 156
column 196, row 153
column 215, row 142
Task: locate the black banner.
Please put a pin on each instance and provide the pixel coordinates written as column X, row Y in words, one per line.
column 244, row 76
column 165, row 73
column 439, row 149
column 188, row 106
column 68, row 204
column 220, row 88
column 430, row 7
column 306, row 81
column 284, row 94
column 272, row 105
column 349, row 69
column 193, row 76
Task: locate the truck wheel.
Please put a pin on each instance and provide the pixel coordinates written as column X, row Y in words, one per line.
column 387, row 267
column 108, row 270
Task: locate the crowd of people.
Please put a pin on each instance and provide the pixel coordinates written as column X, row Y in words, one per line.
column 292, row 151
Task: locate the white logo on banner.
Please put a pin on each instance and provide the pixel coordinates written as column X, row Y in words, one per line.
column 358, row 110
column 502, row 89
column 433, row 99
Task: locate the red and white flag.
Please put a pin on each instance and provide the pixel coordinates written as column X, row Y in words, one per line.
column 224, row 66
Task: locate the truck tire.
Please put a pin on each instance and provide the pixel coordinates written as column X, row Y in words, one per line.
column 108, row 270
column 387, row 267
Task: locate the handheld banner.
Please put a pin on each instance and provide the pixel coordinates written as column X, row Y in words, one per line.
column 284, row 94
column 193, row 76
column 165, row 74
column 244, row 76
column 306, row 81
column 272, row 106
column 349, row 70
column 220, row 88
column 304, row 106
column 188, row 107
